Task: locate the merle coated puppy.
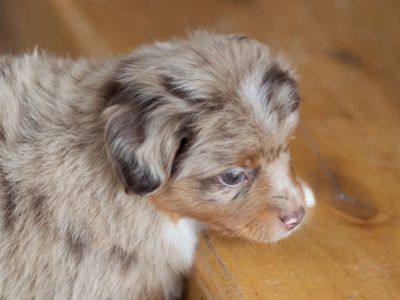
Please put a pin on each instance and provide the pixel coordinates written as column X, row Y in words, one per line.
column 108, row 169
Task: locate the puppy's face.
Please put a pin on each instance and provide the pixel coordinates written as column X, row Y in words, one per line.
column 202, row 128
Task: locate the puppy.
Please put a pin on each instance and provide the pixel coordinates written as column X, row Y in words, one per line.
column 108, row 169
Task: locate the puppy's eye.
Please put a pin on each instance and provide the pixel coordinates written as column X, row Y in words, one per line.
column 232, row 177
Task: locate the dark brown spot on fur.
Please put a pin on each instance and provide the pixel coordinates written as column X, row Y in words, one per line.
column 76, row 245
column 216, row 102
column 9, row 204
column 116, row 93
column 187, row 136
column 295, row 103
column 274, row 78
column 9, row 217
column 38, row 209
column 131, row 114
column 137, row 178
column 136, row 109
column 173, row 88
column 2, row 134
column 124, row 259
column 179, row 156
column 110, row 90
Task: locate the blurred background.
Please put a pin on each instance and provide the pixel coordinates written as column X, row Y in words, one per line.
column 347, row 55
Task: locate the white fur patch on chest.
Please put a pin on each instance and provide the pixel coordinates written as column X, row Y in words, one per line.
column 183, row 237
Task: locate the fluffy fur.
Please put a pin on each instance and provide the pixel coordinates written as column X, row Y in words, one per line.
column 108, row 169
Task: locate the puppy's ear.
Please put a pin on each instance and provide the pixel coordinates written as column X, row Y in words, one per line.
column 143, row 133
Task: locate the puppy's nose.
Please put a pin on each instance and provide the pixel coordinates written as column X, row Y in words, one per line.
column 292, row 220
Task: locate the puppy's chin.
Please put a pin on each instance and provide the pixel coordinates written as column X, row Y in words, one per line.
column 270, row 233
column 279, row 234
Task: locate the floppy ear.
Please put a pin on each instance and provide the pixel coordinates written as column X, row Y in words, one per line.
column 143, row 133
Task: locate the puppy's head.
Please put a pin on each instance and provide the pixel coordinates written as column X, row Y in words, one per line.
column 202, row 128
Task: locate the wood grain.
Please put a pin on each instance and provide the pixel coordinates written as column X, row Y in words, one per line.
column 347, row 147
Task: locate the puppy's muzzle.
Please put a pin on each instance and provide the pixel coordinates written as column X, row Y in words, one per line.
column 293, row 214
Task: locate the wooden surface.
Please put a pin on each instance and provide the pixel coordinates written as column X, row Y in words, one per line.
column 348, row 146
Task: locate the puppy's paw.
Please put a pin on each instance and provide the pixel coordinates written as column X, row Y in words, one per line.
column 308, row 194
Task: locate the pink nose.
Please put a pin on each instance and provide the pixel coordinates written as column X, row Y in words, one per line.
column 293, row 219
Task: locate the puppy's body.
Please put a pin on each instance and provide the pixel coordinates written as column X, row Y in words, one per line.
column 96, row 179
column 67, row 231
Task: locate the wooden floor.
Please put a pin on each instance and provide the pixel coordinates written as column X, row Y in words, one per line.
column 347, row 54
